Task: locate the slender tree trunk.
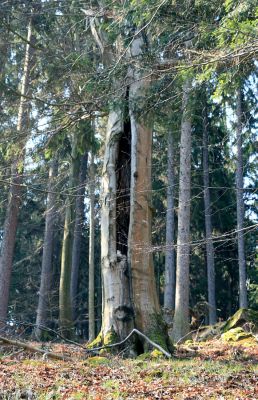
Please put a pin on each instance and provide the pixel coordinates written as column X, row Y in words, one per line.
column 170, row 273
column 47, row 259
column 240, row 206
column 15, row 193
column 181, row 318
column 91, row 292
column 77, row 237
column 65, row 304
column 208, row 225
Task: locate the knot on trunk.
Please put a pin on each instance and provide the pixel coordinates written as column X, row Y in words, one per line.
column 123, row 313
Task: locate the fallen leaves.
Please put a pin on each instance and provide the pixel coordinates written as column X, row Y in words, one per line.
column 216, row 371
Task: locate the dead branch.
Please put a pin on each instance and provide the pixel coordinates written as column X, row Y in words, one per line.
column 157, row 346
column 33, row 349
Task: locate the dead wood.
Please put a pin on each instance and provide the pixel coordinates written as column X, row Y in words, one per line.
column 28, row 347
column 157, row 346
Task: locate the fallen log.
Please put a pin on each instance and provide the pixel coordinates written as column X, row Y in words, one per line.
column 26, row 346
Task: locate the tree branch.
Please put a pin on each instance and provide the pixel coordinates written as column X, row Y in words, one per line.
column 33, row 349
column 157, row 346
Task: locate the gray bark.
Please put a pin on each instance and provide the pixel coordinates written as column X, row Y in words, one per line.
column 77, row 237
column 170, row 273
column 15, row 192
column 208, row 225
column 129, row 292
column 181, row 318
column 91, row 292
column 243, row 303
column 117, row 310
column 47, row 266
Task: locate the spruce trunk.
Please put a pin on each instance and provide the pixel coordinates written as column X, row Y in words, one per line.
column 15, row 192
column 91, row 292
column 77, row 237
column 170, row 273
column 65, row 304
column 208, row 225
column 243, row 303
column 47, row 259
column 181, row 318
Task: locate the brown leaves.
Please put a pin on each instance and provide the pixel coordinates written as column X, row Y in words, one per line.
column 216, row 370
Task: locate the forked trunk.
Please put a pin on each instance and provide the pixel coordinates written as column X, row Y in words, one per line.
column 129, row 291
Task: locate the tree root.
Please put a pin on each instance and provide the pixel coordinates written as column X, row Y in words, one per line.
column 157, row 346
column 25, row 346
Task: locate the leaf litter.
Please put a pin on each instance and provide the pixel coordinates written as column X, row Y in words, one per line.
column 214, row 370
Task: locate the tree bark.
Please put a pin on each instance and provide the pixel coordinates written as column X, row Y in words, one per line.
column 117, row 310
column 181, row 318
column 91, row 292
column 77, row 237
column 15, row 192
column 208, row 224
column 170, row 272
column 147, row 312
column 47, row 266
column 65, row 304
column 243, row 303
column 129, row 291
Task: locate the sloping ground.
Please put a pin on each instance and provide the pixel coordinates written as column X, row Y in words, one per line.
column 210, row 370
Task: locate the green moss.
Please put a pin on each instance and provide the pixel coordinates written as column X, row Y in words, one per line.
column 241, row 317
column 98, row 360
column 110, row 338
column 144, row 356
column 156, row 354
column 96, row 342
column 158, row 334
column 236, row 334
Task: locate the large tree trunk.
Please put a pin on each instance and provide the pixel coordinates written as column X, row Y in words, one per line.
column 170, row 272
column 77, row 237
column 129, row 291
column 65, row 304
column 47, row 259
column 117, row 315
column 208, row 224
column 181, row 318
column 240, row 206
column 91, row 291
column 144, row 294
column 15, row 193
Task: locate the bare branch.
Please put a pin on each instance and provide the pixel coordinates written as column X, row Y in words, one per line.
column 157, row 346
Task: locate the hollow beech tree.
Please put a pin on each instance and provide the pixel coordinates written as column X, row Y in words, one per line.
column 129, row 291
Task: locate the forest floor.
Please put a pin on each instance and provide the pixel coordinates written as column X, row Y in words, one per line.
column 209, row 370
